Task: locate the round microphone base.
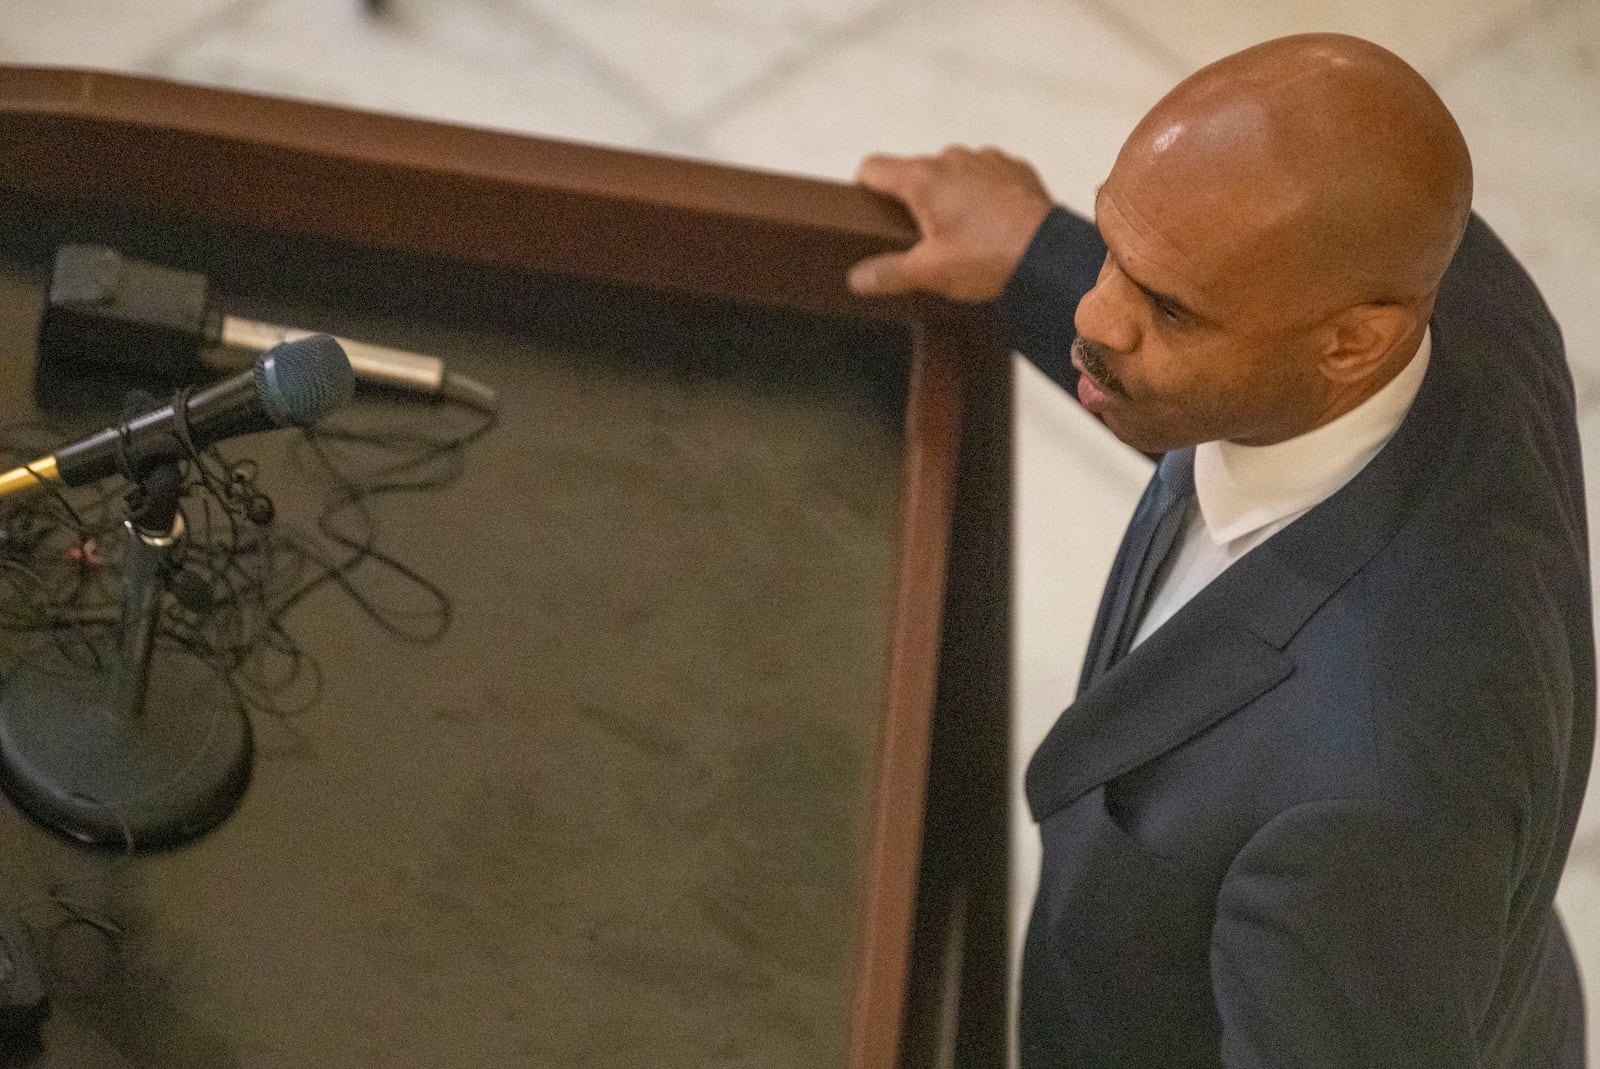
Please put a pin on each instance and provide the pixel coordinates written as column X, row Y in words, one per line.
column 74, row 764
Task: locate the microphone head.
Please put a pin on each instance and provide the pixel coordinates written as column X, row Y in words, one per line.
column 299, row 381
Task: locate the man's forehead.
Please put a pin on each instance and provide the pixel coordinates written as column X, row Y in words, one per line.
column 1177, row 238
column 1202, row 240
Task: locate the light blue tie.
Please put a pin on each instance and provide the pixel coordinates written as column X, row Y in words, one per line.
column 1151, row 535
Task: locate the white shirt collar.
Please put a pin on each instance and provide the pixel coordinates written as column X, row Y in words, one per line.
column 1242, row 489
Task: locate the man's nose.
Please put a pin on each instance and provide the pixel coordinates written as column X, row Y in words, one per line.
column 1107, row 313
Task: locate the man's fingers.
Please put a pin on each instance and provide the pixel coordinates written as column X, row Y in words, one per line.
column 975, row 211
column 877, row 168
column 899, row 176
column 883, row 275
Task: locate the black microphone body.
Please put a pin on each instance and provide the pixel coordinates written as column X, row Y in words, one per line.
column 217, row 412
column 292, row 384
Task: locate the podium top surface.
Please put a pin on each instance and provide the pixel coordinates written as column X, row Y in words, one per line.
column 700, row 575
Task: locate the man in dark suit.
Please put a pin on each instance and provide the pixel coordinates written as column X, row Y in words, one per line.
column 1312, row 803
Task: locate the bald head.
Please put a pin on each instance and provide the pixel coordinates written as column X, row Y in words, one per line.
column 1276, row 229
column 1318, row 147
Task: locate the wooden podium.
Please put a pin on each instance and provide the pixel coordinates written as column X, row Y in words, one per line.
column 710, row 768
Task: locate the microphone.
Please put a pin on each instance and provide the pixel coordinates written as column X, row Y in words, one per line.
column 376, row 364
column 126, row 313
column 290, row 385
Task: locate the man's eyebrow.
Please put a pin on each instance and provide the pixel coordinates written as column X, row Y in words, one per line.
column 1165, row 300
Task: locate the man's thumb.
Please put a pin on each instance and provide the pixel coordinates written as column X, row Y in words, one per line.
column 880, row 276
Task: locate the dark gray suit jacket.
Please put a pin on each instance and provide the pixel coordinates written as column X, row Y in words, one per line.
column 1317, row 819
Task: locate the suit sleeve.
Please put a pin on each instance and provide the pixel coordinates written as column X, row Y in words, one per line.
column 1041, row 297
column 1350, row 934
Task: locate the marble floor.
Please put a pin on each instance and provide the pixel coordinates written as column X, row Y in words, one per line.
column 810, row 86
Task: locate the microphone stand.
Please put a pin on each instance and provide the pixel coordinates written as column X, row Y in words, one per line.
column 149, row 746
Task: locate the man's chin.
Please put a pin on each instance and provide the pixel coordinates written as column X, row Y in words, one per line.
column 1150, row 441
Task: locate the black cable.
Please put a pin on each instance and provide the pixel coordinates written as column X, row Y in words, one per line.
column 235, row 581
column 406, row 473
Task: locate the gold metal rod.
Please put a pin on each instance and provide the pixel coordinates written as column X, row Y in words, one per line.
column 29, row 475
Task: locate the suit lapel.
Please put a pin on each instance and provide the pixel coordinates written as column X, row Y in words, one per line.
column 1181, row 680
column 1226, row 647
column 1097, row 636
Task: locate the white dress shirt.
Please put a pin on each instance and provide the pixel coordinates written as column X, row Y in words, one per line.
column 1247, row 494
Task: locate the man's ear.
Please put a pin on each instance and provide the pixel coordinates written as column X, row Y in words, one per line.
column 1366, row 339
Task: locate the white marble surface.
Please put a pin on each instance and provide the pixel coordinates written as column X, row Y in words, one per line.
column 692, row 57
column 1531, row 112
column 1428, row 33
column 956, row 71
column 119, row 34
column 811, row 85
column 479, row 62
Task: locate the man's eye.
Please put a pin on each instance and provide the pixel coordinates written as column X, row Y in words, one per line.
column 1169, row 313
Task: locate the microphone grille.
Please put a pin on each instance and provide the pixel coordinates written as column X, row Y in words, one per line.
column 297, row 382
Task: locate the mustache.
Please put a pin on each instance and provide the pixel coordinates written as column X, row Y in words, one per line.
column 1093, row 356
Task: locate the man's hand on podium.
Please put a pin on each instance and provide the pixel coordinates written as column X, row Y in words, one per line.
column 976, row 211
